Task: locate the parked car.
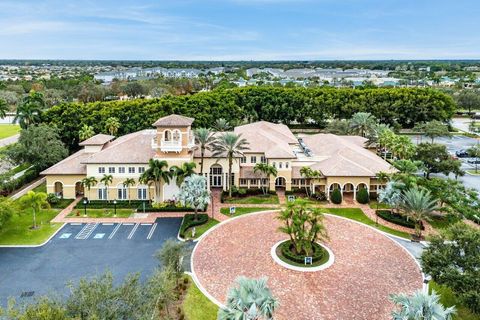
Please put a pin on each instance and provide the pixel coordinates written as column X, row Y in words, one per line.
column 474, row 161
column 462, row 154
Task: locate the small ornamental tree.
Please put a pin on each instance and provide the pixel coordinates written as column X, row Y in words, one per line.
column 36, row 201
column 420, row 305
column 336, row 196
column 194, row 193
column 363, row 196
column 250, row 299
column 304, row 226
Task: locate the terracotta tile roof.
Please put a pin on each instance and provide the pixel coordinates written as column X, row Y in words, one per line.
column 274, row 140
column 70, row 165
column 174, row 120
column 131, row 148
column 344, row 156
column 97, row 140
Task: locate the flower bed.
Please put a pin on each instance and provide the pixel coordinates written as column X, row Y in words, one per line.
column 319, row 256
column 396, row 219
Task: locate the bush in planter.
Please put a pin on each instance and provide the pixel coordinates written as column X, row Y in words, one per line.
column 52, row 198
column 396, row 219
column 362, row 196
column 189, row 222
column 286, row 250
column 336, row 196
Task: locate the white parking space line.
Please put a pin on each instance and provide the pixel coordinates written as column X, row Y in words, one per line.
column 91, row 230
column 128, row 224
column 152, row 230
column 146, row 224
column 114, row 231
column 107, row 224
column 133, row 231
column 75, row 224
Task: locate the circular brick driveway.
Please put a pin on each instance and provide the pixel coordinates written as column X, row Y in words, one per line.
column 368, row 267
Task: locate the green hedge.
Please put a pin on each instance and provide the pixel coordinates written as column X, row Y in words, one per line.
column 286, row 249
column 121, row 204
column 189, row 222
column 363, row 196
column 8, row 186
column 165, row 209
column 244, row 192
column 396, row 218
column 336, row 196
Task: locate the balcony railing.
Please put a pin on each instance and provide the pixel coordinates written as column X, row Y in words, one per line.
column 172, row 145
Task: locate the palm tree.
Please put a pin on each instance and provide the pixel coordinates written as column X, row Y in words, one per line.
column 36, row 201
column 229, row 145
column 252, row 300
column 420, row 306
column 402, row 147
column 185, row 170
column 107, row 180
column 112, row 125
column 204, row 137
column 373, row 135
column 221, row 125
column 3, row 108
column 418, row 205
column 89, row 182
column 156, row 173
column 28, row 112
column 194, row 193
column 362, row 122
column 340, row 127
column 267, row 170
column 86, row 132
column 309, row 174
column 128, row 183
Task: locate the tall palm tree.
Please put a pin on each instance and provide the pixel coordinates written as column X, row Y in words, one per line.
column 107, row 180
column 128, row 183
column 203, row 137
column 309, row 174
column 418, row 205
column 252, row 300
column 221, row 125
column 86, row 132
column 420, row 306
column 112, row 125
column 373, row 135
column 267, row 170
column 185, row 170
column 36, row 201
column 229, row 145
column 3, row 108
column 402, row 147
column 156, row 173
column 362, row 122
column 89, row 182
column 29, row 110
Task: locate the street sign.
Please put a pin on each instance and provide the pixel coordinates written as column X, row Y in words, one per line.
column 232, row 210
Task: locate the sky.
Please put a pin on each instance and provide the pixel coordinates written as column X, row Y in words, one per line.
column 240, row 29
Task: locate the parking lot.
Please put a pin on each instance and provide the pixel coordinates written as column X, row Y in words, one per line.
column 454, row 144
column 79, row 250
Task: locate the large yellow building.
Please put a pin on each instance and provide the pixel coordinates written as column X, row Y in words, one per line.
column 343, row 161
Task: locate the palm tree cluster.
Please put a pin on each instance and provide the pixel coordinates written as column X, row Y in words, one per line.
column 29, row 110
column 420, row 306
column 267, row 170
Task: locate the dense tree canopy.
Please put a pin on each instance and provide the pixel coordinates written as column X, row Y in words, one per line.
column 404, row 107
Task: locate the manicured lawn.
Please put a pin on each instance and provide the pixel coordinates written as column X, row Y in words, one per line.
column 358, row 215
column 442, row 222
column 201, row 229
column 196, row 306
column 101, row 213
column 258, row 199
column 239, row 211
column 373, row 204
column 448, row 299
column 17, row 230
column 8, row 130
column 41, row 188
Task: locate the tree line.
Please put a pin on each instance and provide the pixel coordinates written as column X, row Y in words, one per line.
column 306, row 106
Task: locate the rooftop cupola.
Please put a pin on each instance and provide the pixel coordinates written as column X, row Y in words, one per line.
column 174, row 134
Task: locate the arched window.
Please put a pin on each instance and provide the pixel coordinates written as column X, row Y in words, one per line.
column 176, row 135
column 167, row 135
column 122, row 192
column 142, row 192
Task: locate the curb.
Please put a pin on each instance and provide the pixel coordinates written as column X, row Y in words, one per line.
column 330, row 261
column 34, row 245
column 221, row 305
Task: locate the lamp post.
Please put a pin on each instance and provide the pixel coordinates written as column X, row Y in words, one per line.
column 115, row 208
column 85, row 207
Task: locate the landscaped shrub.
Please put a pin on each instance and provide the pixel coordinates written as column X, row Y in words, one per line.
column 288, row 252
column 243, row 192
column 336, row 196
column 189, row 222
column 396, row 218
column 319, row 196
column 121, row 204
column 8, row 186
column 362, row 196
column 52, row 198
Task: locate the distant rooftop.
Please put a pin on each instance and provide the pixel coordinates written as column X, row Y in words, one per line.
column 174, row 120
column 97, row 140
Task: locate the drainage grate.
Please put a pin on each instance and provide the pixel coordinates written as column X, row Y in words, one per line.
column 26, row 294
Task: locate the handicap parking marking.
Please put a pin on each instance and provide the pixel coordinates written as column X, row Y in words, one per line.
column 133, row 231
column 99, row 236
column 65, row 235
column 114, row 231
column 152, row 230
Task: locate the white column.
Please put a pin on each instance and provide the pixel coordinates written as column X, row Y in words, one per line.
column 208, row 180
